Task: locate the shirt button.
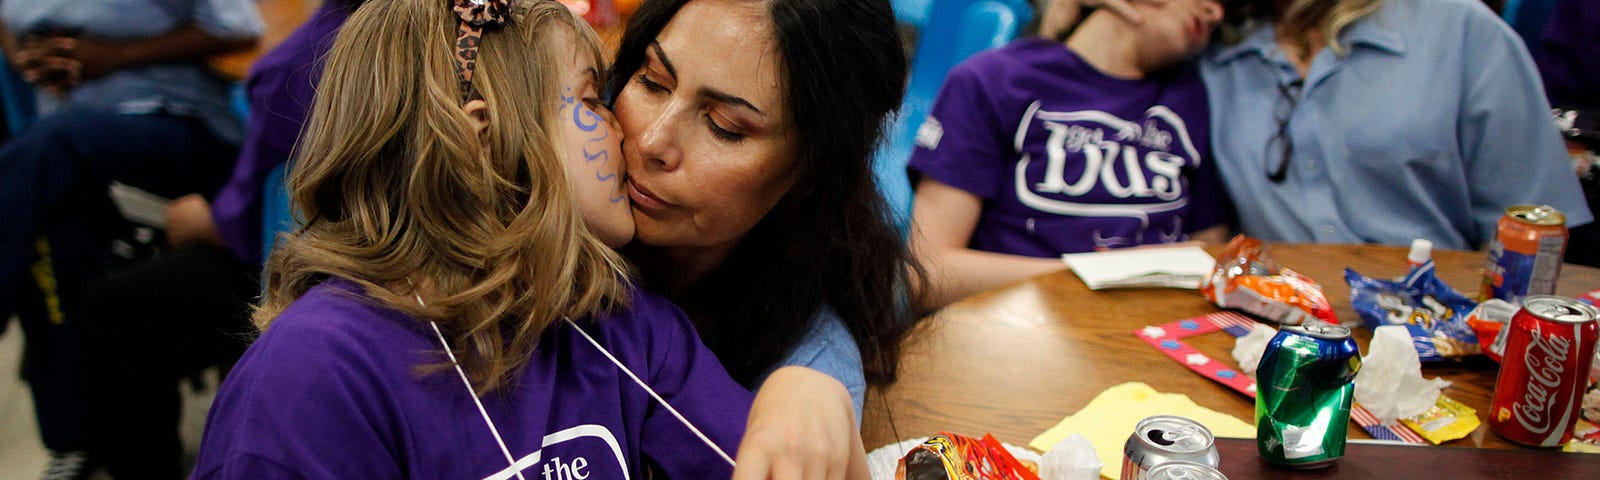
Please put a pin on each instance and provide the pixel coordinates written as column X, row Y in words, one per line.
column 1327, row 229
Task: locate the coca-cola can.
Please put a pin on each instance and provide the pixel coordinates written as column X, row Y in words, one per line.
column 1163, row 439
column 1550, row 345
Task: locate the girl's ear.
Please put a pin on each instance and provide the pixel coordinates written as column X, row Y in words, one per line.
column 477, row 112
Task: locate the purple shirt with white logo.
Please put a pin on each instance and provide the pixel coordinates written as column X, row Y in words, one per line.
column 1068, row 159
column 333, row 390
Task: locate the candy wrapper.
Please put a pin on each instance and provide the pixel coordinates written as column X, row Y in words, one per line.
column 1488, row 321
column 1248, row 279
column 948, row 456
column 1447, row 420
column 1433, row 312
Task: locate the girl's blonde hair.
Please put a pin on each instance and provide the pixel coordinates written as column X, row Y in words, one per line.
column 1329, row 17
column 398, row 190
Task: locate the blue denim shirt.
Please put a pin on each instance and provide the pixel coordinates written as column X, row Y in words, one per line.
column 1429, row 127
column 830, row 349
column 177, row 89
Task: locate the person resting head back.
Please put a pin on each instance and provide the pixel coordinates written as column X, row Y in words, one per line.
column 460, row 204
column 1370, row 121
column 1038, row 149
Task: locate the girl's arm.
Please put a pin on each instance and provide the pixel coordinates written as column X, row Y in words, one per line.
column 802, row 425
column 942, row 220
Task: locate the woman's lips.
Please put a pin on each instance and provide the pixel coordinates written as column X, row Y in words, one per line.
column 643, row 198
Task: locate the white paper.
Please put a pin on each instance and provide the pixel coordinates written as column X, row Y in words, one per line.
column 1390, row 383
column 1174, row 267
column 1247, row 350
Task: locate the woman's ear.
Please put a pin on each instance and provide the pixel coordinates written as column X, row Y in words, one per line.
column 477, row 112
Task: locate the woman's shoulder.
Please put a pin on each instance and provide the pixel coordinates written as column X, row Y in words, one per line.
column 829, row 348
column 1438, row 20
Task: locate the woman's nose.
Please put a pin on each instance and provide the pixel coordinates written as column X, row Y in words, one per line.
column 656, row 144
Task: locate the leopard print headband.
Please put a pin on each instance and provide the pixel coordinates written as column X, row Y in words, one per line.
column 474, row 16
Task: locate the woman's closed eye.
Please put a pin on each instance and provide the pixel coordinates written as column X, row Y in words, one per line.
column 721, row 132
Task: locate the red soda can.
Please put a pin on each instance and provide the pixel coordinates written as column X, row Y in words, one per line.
column 1550, row 345
column 1525, row 255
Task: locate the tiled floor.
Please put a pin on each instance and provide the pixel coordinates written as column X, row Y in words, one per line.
column 22, row 457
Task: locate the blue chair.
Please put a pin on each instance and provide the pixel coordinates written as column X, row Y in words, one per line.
column 18, row 101
column 956, row 29
column 912, row 12
column 1528, row 18
column 276, row 218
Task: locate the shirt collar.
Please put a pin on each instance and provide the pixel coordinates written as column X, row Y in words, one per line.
column 1371, row 31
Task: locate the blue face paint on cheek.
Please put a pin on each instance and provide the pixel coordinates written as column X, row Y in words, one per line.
column 594, row 148
column 567, row 100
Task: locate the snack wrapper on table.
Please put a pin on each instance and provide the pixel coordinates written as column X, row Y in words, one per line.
column 1488, row 321
column 1433, row 312
column 1248, row 279
column 948, row 456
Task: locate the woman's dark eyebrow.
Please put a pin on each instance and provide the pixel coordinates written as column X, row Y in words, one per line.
column 661, row 56
column 729, row 99
column 720, row 96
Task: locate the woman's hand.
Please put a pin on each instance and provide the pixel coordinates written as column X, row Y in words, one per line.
column 1061, row 15
column 802, row 426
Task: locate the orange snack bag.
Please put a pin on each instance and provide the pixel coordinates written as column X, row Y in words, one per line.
column 1247, row 278
column 949, row 456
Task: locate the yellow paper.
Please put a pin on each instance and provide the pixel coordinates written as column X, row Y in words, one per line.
column 1580, row 447
column 1447, row 420
column 1108, row 420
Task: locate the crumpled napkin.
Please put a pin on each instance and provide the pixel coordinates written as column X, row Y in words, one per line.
column 1108, row 420
column 1073, row 458
column 1247, row 350
column 1390, row 383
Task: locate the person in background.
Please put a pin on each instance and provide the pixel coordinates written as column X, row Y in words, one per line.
column 1570, row 67
column 749, row 168
column 1042, row 148
column 150, row 324
column 1567, row 60
column 129, row 100
column 1372, row 121
column 1057, row 18
column 452, row 307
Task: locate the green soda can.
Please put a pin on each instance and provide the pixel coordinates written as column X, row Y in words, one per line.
column 1303, row 397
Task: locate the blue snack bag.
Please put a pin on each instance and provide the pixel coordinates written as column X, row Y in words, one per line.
column 1435, row 314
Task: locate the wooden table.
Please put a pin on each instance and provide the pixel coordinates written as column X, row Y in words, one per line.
column 1015, row 361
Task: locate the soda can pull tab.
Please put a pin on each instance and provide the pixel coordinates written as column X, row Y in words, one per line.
column 1326, row 331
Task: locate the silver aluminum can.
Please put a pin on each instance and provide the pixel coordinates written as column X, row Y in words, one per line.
column 1184, row 471
column 1167, row 438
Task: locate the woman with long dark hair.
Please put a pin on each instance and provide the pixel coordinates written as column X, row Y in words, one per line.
column 750, row 127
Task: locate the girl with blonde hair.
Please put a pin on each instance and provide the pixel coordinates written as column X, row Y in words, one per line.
column 460, row 186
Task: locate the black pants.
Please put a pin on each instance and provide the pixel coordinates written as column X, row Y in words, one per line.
column 147, row 327
column 53, row 179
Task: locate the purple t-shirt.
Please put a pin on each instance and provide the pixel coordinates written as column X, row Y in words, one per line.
column 280, row 88
column 332, row 390
column 1068, row 159
column 1569, row 57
